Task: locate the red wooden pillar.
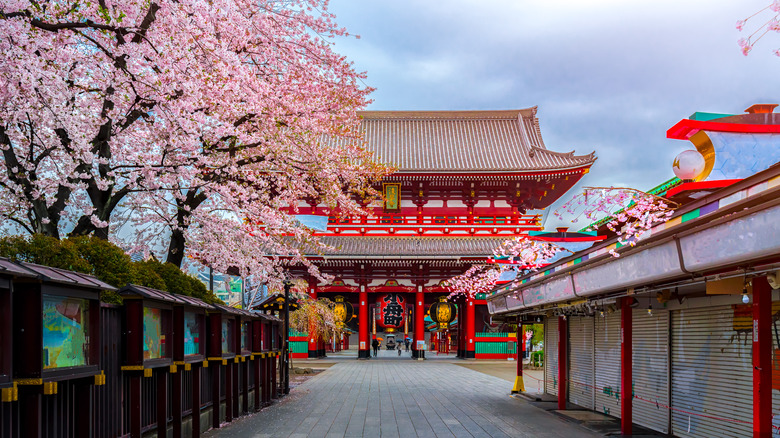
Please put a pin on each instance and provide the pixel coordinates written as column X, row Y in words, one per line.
column 314, row 343
column 563, row 361
column 419, row 323
column 762, row 358
column 626, row 378
column 519, row 384
column 364, row 344
column 196, row 370
column 470, row 328
column 461, row 329
column 162, row 403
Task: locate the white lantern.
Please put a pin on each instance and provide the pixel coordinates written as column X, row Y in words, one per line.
column 688, row 165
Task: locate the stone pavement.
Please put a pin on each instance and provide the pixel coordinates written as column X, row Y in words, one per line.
column 402, row 398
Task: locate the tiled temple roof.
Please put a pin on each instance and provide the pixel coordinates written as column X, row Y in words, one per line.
column 396, row 247
column 464, row 141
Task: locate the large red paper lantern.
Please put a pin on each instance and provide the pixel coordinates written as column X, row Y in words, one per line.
column 391, row 311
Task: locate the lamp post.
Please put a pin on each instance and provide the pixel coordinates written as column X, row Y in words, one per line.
column 286, row 347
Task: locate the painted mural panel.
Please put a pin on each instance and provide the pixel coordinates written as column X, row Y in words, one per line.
column 154, row 337
column 65, row 332
column 192, row 330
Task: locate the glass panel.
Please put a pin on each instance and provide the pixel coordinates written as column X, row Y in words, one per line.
column 246, row 339
column 228, row 342
column 192, row 327
column 155, row 346
column 65, row 332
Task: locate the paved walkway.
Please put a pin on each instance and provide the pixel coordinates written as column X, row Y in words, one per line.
column 392, row 398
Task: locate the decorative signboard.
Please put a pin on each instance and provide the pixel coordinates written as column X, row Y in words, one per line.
column 148, row 325
column 392, row 195
column 189, row 329
column 56, row 325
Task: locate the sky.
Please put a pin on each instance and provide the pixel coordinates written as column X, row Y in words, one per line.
column 609, row 76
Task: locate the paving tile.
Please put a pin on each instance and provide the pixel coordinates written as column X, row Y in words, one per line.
column 402, row 398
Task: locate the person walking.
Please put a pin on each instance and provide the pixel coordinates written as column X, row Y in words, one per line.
column 406, row 343
column 375, row 344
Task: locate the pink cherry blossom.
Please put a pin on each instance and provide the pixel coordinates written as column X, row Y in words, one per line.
column 194, row 126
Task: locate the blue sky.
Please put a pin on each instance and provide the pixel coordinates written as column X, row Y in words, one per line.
column 609, row 76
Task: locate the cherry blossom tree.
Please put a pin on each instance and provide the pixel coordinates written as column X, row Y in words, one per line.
column 628, row 212
column 204, row 118
column 521, row 250
column 770, row 16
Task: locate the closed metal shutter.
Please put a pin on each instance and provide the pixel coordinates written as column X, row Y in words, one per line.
column 775, row 363
column 551, row 355
column 651, row 369
column 607, row 352
column 712, row 371
column 581, row 373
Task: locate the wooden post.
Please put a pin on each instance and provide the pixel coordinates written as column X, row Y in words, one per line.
column 626, row 378
column 274, row 389
column 258, row 383
column 762, row 358
column 176, row 408
column 229, row 391
column 215, row 389
column 31, row 411
column 196, row 376
column 85, row 402
column 563, row 348
column 135, row 404
column 162, row 403
column 519, row 383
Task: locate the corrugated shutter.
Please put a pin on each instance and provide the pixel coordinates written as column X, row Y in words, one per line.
column 581, row 373
column 607, row 348
column 712, row 371
column 551, row 355
column 651, row 369
column 775, row 363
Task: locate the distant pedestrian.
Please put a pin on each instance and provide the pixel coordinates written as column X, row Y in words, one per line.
column 375, row 344
column 406, row 342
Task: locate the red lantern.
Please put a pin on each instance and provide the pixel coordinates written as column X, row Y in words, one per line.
column 391, row 311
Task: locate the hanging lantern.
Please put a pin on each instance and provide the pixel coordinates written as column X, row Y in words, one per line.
column 343, row 311
column 391, row 312
column 443, row 313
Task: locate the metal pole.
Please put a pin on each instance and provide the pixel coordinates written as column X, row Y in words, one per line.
column 286, row 351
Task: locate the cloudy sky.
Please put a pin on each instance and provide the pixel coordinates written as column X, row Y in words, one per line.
column 609, row 76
